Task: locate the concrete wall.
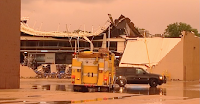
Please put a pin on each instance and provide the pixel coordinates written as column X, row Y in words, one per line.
column 182, row 62
column 10, row 43
column 26, row 72
column 172, row 64
column 190, row 56
column 120, row 46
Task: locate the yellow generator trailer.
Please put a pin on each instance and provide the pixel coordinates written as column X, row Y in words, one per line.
column 93, row 70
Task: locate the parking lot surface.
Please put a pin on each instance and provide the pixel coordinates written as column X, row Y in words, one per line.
column 59, row 91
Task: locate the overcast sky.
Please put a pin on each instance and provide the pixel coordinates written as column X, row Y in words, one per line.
column 153, row 15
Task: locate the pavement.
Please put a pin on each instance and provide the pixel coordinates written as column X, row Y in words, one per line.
column 59, row 91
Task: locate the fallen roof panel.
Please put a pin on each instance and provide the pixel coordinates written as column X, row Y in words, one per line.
column 136, row 50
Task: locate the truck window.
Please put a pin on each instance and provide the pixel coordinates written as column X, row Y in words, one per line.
column 139, row 71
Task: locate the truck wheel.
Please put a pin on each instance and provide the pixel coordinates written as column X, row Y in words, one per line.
column 153, row 83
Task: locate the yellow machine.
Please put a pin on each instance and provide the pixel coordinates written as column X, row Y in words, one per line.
column 93, row 70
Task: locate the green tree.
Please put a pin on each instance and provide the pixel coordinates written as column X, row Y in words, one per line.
column 175, row 29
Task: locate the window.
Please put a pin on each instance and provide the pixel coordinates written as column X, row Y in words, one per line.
column 139, row 71
column 53, row 43
column 31, row 43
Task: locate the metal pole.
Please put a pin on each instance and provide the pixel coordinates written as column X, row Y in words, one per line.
column 78, row 44
column 67, row 28
column 109, row 38
column 75, row 46
column 147, row 51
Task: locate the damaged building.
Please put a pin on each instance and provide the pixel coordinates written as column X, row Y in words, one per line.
column 166, row 56
column 58, row 47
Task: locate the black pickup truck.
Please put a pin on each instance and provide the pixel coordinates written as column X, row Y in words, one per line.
column 136, row 75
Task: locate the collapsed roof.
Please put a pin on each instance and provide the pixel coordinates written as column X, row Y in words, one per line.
column 120, row 26
column 123, row 23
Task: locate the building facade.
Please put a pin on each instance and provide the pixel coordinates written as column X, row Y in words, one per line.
column 10, row 43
